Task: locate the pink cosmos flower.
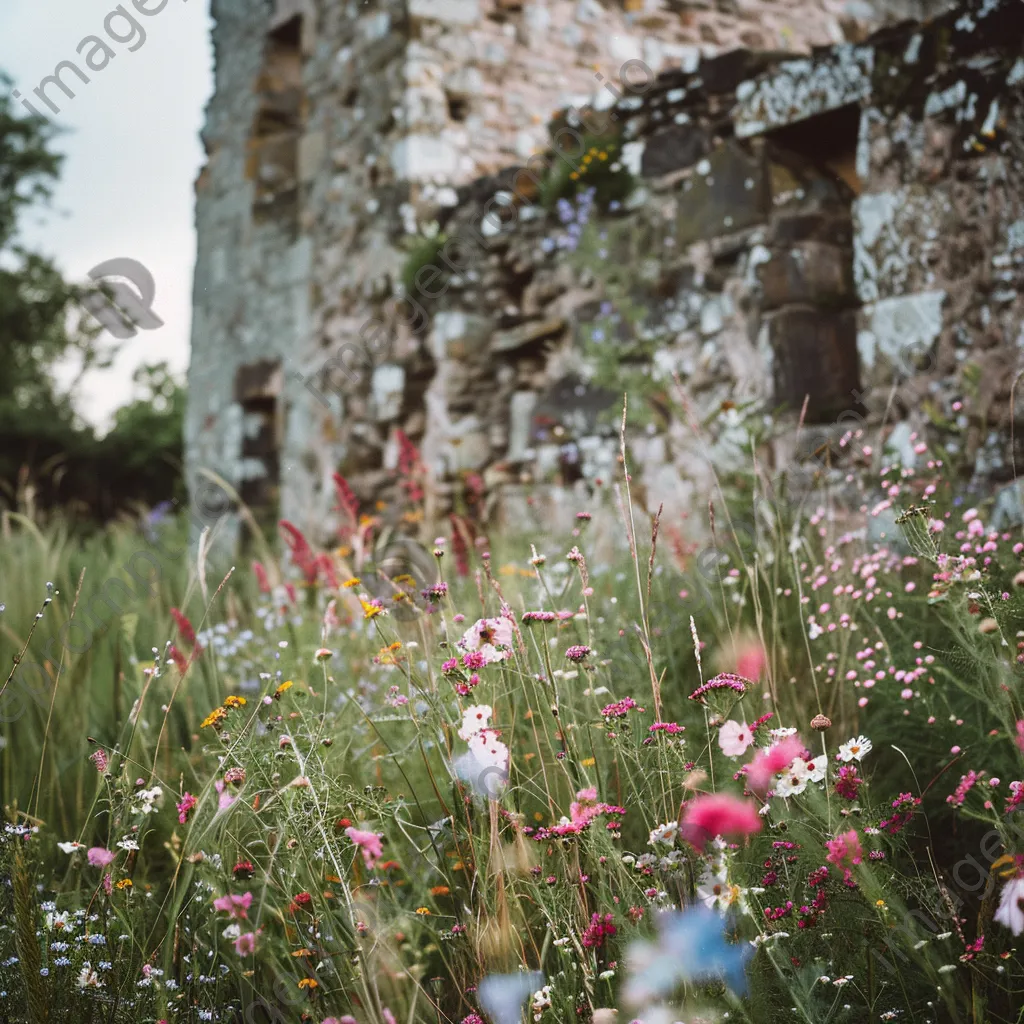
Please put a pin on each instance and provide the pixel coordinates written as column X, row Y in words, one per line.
column 844, row 852
column 718, row 815
column 770, row 762
column 485, row 636
column 185, row 806
column 99, row 857
column 236, row 906
column 750, row 659
column 734, row 738
column 245, row 945
column 369, row 843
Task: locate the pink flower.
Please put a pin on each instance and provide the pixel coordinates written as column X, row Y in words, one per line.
column 99, row 857
column 188, row 801
column 734, row 738
column 844, row 851
column 225, row 799
column 245, row 945
column 770, row 762
column 718, row 815
column 236, row 906
column 1020, row 734
column 369, row 843
column 750, row 660
column 485, row 636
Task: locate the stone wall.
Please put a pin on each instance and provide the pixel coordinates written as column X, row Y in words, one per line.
column 793, row 219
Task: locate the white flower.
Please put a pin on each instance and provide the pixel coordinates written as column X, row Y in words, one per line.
column 484, row 766
column 816, row 768
column 149, row 799
column 715, row 892
column 1010, row 912
column 664, row 833
column 734, row 738
column 128, row 844
column 70, row 847
column 475, row 719
column 88, row 978
column 855, row 749
column 790, row 782
column 781, row 733
column 814, row 631
column 61, row 921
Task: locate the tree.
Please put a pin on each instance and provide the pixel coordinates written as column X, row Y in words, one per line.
column 42, row 441
column 40, row 319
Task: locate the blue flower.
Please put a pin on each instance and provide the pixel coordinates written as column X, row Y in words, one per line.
column 691, row 947
column 501, row 995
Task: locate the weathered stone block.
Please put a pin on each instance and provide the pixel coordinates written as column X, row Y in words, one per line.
column 388, row 387
column 456, row 335
column 673, row 149
column 527, row 334
column 448, row 12
column 423, row 157
column 728, row 191
column 812, row 272
column 312, row 154
column 814, row 354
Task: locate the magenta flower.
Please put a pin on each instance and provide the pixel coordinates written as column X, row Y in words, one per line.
column 844, row 852
column 245, row 945
column 718, row 815
column 577, row 652
column 369, row 843
column 99, row 857
column 187, row 802
column 770, row 762
column 237, row 906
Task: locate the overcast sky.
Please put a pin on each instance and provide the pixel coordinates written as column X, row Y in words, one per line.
column 132, row 155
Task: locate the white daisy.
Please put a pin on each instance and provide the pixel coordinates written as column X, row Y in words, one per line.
column 855, row 749
column 664, row 834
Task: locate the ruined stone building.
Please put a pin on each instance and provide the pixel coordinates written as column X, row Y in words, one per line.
column 794, row 203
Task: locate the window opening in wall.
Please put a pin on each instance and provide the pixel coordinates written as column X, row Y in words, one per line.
column 258, row 392
column 277, row 127
column 808, row 296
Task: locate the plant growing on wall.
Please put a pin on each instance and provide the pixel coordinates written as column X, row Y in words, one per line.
column 423, row 252
column 600, row 168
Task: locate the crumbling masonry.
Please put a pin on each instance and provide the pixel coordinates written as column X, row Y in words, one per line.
column 819, row 207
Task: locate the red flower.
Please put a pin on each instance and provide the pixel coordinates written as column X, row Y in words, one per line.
column 178, row 658
column 243, row 869
column 301, row 552
column 348, row 503
column 188, row 634
column 303, row 899
column 261, row 577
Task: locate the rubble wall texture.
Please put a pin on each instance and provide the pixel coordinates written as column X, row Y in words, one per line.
column 795, row 221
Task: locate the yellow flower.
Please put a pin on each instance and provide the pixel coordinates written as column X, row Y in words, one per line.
column 344, row 551
column 370, row 610
column 602, row 155
column 303, row 952
column 214, row 718
column 308, row 983
column 235, row 702
column 286, row 685
column 588, row 762
column 440, row 890
column 354, row 582
column 405, row 579
column 125, row 883
column 574, row 176
column 422, row 911
column 880, row 903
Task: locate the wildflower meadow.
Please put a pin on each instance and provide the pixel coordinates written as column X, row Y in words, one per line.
column 614, row 772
